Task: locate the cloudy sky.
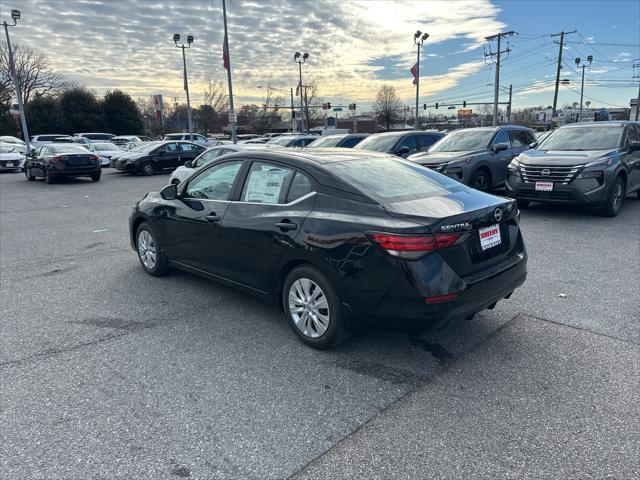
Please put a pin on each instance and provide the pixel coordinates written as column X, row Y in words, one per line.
column 355, row 46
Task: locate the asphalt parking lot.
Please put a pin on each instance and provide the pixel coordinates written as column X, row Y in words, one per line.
column 106, row 372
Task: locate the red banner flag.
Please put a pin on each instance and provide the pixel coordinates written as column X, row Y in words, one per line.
column 414, row 72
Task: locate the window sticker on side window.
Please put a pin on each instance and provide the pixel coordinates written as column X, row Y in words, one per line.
column 265, row 186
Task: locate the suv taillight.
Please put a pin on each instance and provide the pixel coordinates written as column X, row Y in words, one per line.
column 57, row 159
column 413, row 247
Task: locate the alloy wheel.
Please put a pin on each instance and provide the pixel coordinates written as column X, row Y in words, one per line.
column 309, row 308
column 481, row 181
column 147, row 249
column 617, row 196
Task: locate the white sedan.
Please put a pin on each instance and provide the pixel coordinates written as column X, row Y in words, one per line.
column 105, row 150
column 10, row 158
column 182, row 172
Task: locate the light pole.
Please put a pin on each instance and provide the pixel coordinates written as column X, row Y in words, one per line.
column 293, row 116
column 176, row 39
column 15, row 16
column 589, row 59
column 297, row 58
column 418, row 40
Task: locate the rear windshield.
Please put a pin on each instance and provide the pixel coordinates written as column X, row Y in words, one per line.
column 390, row 180
column 378, row 143
column 98, row 136
column 597, row 137
column 67, row 149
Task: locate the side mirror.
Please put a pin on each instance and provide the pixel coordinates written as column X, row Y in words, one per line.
column 500, row 147
column 188, row 164
column 634, row 146
column 403, row 150
column 533, row 145
column 170, row 192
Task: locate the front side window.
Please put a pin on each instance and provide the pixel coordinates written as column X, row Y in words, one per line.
column 502, row 137
column 215, row 183
column 632, row 136
column 520, row 138
column 351, row 142
column 266, row 183
column 409, row 141
column 207, row 156
column 190, row 147
column 170, row 147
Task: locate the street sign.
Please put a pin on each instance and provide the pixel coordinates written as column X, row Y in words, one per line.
column 232, row 116
column 465, row 112
column 337, row 109
column 633, row 102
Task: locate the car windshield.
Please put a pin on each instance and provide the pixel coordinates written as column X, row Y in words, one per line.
column 390, row 181
column 14, row 140
column 284, row 141
column 378, row 143
column 325, row 142
column 67, row 149
column 105, row 146
column 596, row 137
column 463, row 141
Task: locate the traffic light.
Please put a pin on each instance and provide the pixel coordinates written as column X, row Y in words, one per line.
column 464, row 104
column 352, row 106
column 424, row 107
column 436, row 105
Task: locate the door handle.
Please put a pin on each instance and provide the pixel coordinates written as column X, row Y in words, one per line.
column 213, row 218
column 286, row 225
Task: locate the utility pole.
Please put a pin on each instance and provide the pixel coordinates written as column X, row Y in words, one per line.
column 499, row 52
column 555, row 94
column 226, row 58
column 636, row 67
column 300, row 59
column 583, row 66
column 15, row 16
column 418, row 39
column 509, row 106
column 176, row 39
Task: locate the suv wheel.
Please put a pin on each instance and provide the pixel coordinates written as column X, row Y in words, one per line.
column 615, row 200
column 313, row 308
column 30, row 176
column 148, row 169
column 153, row 259
column 481, row 180
column 48, row 178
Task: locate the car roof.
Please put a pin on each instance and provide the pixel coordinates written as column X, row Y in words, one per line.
column 610, row 123
column 321, row 155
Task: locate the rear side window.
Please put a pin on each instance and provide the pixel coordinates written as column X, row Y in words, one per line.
column 189, row 147
column 520, row 138
column 390, row 181
column 426, row 141
column 266, row 183
column 300, row 186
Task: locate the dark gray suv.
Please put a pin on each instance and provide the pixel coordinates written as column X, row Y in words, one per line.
column 477, row 157
column 401, row 144
column 593, row 164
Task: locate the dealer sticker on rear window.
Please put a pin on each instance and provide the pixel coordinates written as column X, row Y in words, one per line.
column 490, row 237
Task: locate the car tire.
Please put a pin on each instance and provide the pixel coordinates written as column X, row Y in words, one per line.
column 148, row 169
column 321, row 321
column 152, row 258
column 48, row 178
column 30, row 176
column 95, row 178
column 481, row 180
column 615, row 200
column 522, row 204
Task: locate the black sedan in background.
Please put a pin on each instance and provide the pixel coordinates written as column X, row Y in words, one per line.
column 591, row 164
column 157, row 156
column 62, row 160
column 335, row 237
column 343, row 140
column 401, row 144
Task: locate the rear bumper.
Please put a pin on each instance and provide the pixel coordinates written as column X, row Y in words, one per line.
column 79, row 172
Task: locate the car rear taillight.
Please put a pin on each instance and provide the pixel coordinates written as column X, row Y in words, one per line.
column 95, row 157
column 57, row 159
column 412, row 247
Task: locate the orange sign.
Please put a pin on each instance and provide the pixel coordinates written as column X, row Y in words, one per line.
column 466, row 112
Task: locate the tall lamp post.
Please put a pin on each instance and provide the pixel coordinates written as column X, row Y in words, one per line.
column 583, row 66
column 285, row 92
column 418, row 39
column 15, row 16
column 176, row 39
column 300, row 59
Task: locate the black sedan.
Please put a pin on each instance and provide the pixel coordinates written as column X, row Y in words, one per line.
column 335, row 237
column 156, row 157
column 62, row 160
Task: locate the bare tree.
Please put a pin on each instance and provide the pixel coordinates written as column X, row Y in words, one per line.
column 33, row 70
column 216, row 97
column 210, row 116
column 261, row 119
column 387, row 105
column 313, row 113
